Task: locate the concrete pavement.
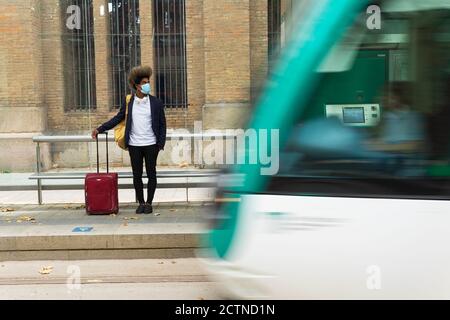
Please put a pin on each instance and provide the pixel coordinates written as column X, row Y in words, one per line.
column 182, row 279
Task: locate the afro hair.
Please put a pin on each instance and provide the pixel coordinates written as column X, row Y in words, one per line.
column 137, row 74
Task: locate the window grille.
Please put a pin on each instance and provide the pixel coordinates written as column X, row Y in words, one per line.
column 274, row 29
column 125, row 41
column 79, row 55
column 169, row 23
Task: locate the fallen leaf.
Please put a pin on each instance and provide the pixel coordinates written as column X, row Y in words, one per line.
column 157, row 214
column 183, row 164
column 173, row 210
column 46, row 270
column 74, row 207
column 6, row 209
column 34, row 221
column 134, row 218
column 94, row 281
column 26, row 218
column 113, row 215
column 173, row 262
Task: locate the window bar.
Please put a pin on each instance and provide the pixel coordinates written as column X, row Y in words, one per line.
column 167, row 56
column 92, row 101
column 112, row 29
column 85, row 56
column 176, row 27
column 121, row 43
column 184, row 57
column 184, row 62
column 137, row 33
column 181, row 54
column 82, row 55
column 115, row 46
column 77, row 73
column 93, row 78
column 180, row 97
column 88, row 55
column 111, row 49
column 170, row 57
column 130, row 30
column 119, row 39
column 126, row 35
column 156, row 45
column 123, row 37
column 271, row 28
column 165, row 49
column 270, row 2
column 131, row 54
column 132, row 16
column 73, row 43
column 164, row 43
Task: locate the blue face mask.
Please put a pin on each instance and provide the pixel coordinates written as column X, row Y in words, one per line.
column 145, row 89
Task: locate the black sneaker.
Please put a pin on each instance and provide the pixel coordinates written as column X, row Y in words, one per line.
column 148, row 208
column 140, row 209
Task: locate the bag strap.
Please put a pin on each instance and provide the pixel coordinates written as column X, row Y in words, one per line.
column 126, row 107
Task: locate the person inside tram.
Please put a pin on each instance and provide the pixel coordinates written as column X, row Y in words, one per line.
column 401, row 129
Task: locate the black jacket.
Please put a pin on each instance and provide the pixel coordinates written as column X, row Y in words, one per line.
column 158, row 121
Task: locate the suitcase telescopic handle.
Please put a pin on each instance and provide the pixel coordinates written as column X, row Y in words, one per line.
column 107, row 154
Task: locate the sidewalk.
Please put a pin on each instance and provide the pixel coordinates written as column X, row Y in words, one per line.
column 48, row 232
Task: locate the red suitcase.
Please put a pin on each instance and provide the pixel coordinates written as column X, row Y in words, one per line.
column 101, row 189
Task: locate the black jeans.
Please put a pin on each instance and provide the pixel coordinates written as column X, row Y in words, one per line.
column 137, row 155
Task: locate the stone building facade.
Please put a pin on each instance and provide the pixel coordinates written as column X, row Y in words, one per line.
column 226, row 62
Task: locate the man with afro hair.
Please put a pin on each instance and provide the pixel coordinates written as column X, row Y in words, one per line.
column 145, row 133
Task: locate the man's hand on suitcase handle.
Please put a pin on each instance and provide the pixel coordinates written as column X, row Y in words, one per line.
column 94, row 134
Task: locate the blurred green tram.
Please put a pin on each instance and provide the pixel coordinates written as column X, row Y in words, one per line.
column 359, row 208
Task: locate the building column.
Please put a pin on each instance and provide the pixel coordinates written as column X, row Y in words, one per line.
column 103, row 74
column 259, row 39
column 146, row 25
column 227, row 63
column 22, row 116
column 195, row 46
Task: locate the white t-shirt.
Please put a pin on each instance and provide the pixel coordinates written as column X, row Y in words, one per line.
column 141, row 133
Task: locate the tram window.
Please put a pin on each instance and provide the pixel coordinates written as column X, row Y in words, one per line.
column 408, row 75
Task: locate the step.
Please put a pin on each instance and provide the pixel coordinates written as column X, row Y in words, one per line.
column 173, row 231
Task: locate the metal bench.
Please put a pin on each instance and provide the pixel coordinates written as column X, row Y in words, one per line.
column 193, row 178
